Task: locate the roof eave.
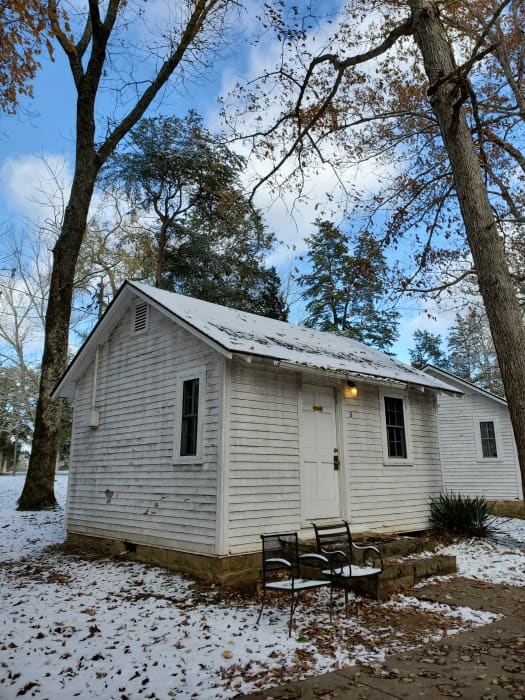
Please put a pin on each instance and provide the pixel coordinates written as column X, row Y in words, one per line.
column 65, row 387
column 465, row 383
column 345, row 373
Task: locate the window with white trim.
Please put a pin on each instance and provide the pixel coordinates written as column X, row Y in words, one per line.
column 396, row 438
column 395, row 430
column 487, row 431
column 189, row 417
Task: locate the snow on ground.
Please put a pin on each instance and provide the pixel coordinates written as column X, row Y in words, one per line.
column 24, row 534
column 497, row 559
column 80, row 626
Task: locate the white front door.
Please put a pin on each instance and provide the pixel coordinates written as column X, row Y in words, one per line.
column 319, row 473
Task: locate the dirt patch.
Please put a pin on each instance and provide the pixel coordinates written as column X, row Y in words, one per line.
column 509, row 509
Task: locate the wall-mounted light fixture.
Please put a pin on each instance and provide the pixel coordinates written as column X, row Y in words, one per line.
column 350, row 390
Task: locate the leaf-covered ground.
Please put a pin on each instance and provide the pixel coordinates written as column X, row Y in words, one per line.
column 74, row 625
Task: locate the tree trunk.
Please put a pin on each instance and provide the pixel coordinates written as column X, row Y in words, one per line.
column 38, row 491
column 447, row 91
column 87, row 71
column 161, row 252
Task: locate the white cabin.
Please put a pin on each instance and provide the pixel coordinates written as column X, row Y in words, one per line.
column 478, row 451
column 197, row 428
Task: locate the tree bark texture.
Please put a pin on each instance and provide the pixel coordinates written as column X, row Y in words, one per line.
column 447, row 91
column 38, row 491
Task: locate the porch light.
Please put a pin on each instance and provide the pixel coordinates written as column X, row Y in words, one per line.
column 350, row 390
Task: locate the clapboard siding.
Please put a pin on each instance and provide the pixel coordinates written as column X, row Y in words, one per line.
column 123, row 483
column 465, row 471
column 264, row 459
column 264, row 491
column 388, row 497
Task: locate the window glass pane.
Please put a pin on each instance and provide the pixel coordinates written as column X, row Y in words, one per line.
column 395, row 427
column 488, row 439
column 190, row 415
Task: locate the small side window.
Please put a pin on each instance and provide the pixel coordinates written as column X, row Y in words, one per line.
column 189, row 417
column 140, row 318
column 489, row 448
column 394, row 410
column 395, row 428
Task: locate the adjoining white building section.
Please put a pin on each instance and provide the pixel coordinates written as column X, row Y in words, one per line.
column 478, row 451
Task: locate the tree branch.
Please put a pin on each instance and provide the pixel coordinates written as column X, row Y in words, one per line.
column 403, row 29
column 84, row 40
column 193, row 27
column 440, row 287
column 67, row 46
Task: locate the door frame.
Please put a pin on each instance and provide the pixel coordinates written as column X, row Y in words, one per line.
column 337, row 387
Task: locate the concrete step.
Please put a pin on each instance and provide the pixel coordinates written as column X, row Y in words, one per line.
column 403, row 574
column 399, row 546
column 403, row 568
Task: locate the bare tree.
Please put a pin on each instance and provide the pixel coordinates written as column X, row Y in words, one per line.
column 23, row 288
column 331, row 96
column 106, row 51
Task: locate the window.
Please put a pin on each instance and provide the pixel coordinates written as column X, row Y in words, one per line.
column 488, row 439
column 189, row 417
column 395, row 428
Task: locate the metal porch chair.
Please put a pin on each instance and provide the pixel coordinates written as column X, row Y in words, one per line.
column 336, row 544
column 281, row 570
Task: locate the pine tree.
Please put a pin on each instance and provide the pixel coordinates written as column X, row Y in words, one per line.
column 471, row 353
column 225, row 267
column 344, row 290
column 427, row 350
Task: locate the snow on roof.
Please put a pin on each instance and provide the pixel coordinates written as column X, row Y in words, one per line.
column 249, row 334
column 462, row 383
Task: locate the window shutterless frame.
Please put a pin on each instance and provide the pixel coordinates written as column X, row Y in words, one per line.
column 188, row 444
column 395, row 428
column 487, row 433
column 488, row 439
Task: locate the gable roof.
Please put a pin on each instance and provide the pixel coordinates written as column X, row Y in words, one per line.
column 232, row 332
column 462, row 383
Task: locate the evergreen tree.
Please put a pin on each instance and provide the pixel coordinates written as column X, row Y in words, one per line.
column 204, row 237
column 222, row 263
column 427, row 350
column 471, row 353
column 344, row 290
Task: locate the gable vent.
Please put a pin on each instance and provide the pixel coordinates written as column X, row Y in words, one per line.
column 140, row 317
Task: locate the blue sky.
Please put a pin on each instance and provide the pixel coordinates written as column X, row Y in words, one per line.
column 44, row 129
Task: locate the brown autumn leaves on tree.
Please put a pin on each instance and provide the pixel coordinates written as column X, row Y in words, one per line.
column 431, row 93
column 23, row 36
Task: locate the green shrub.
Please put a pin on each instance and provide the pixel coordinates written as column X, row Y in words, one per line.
column 453, row 514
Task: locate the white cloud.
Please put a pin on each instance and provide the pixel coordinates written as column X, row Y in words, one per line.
column 432, row 316
column 323, row 193
column 435, row 319
column 35, row 186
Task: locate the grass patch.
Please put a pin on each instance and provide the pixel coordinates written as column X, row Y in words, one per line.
column 452, row 514
column 508, row 509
